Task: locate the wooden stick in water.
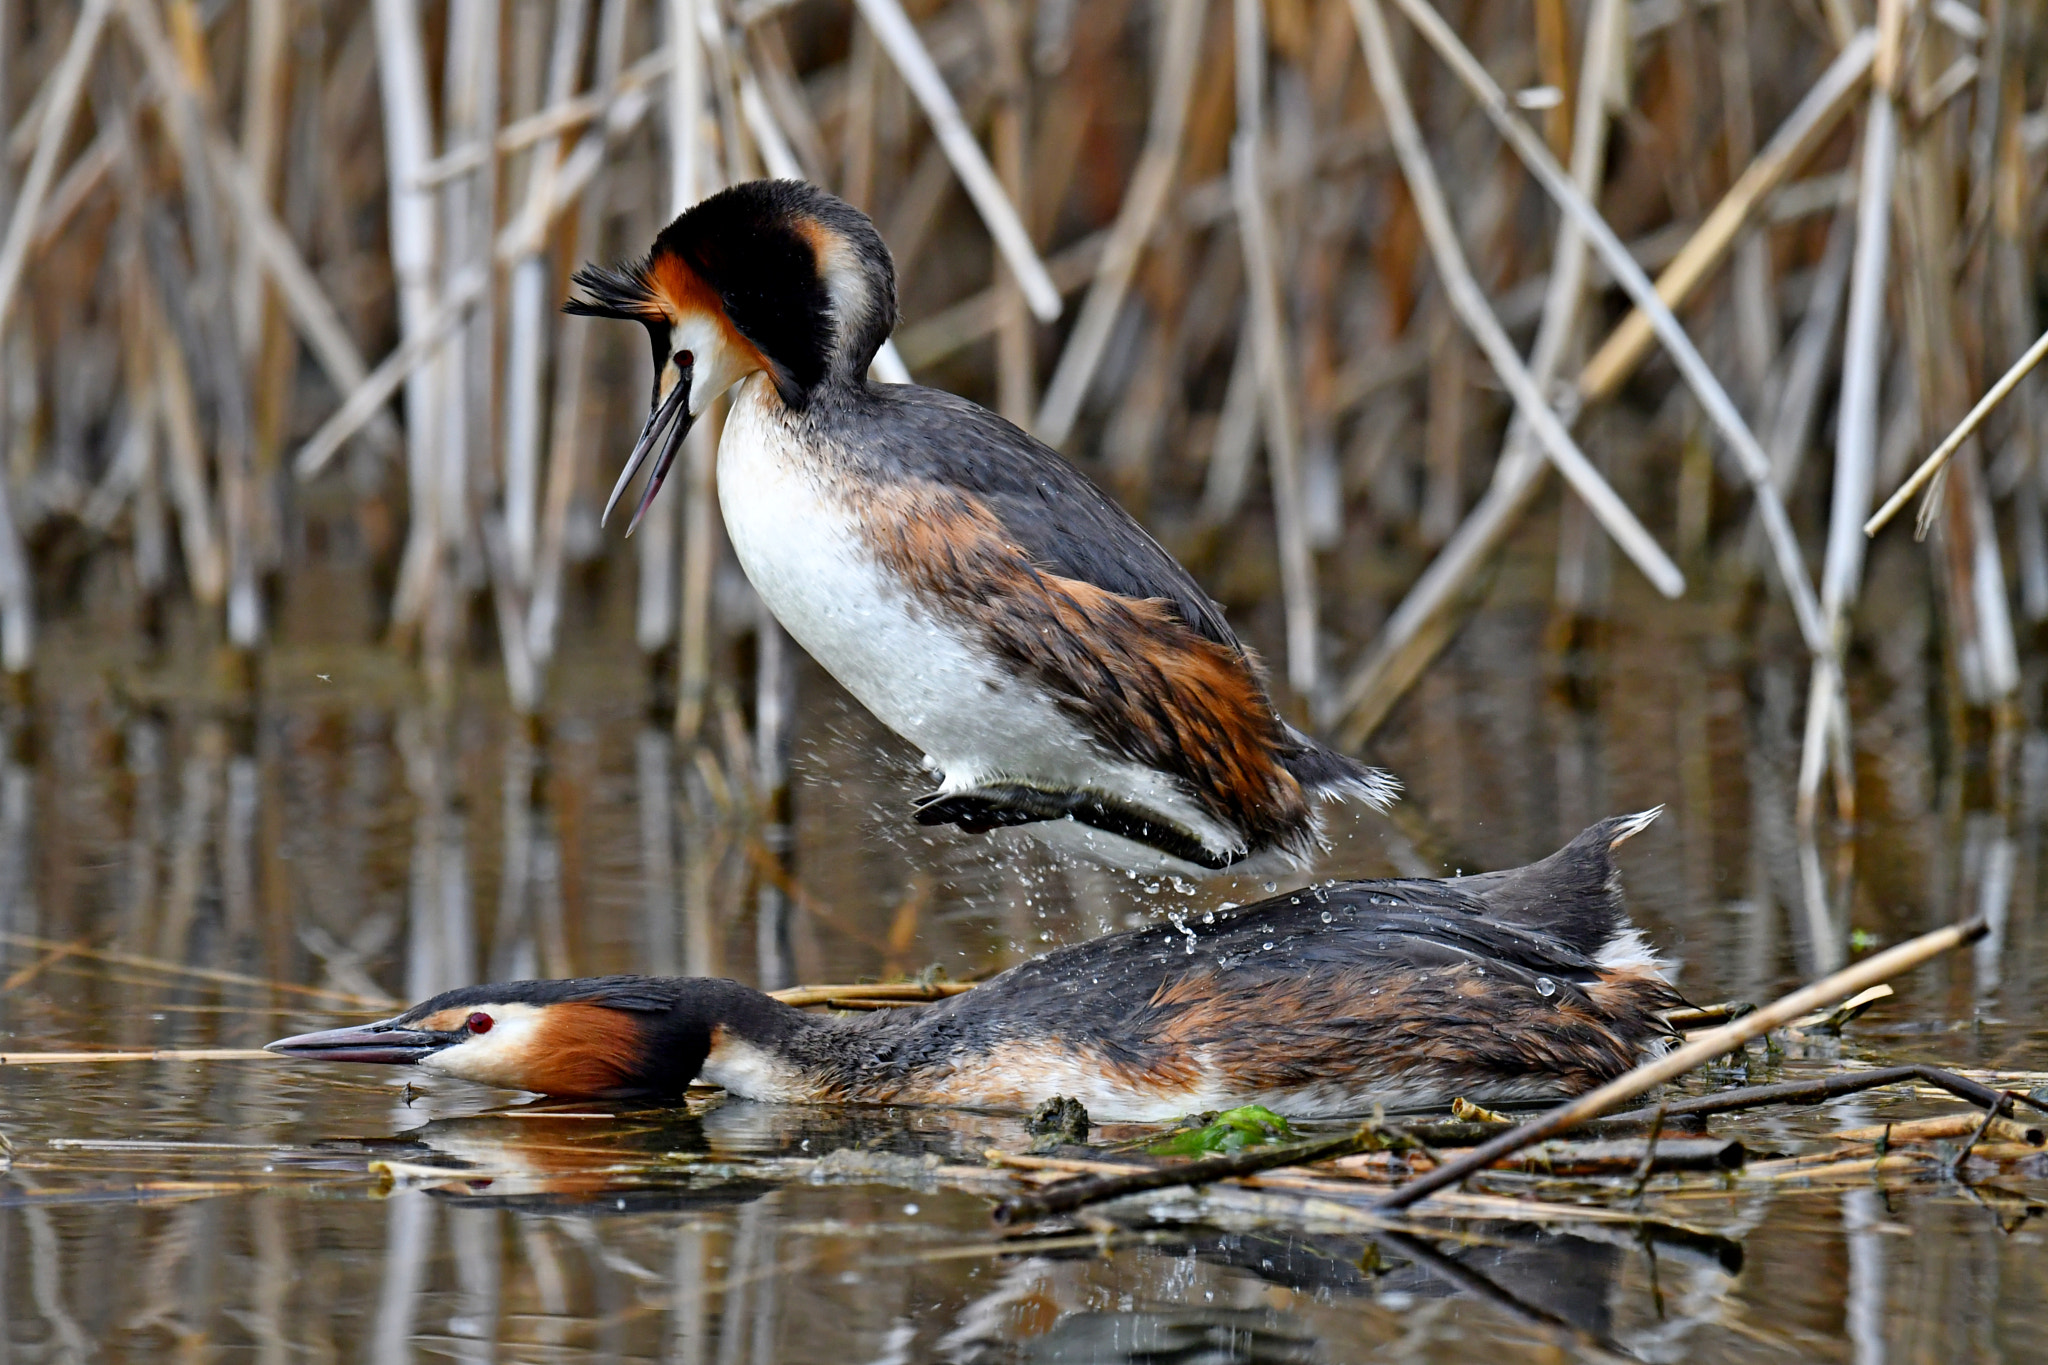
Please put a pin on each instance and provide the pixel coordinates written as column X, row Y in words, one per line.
column 911, row 991
column 1869, row 972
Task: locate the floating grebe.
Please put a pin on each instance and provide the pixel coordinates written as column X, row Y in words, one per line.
column 1518, row 985
column 967, row 585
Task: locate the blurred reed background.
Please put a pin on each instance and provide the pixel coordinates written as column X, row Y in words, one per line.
column 283, row 365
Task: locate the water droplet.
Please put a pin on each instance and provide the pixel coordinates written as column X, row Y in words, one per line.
column 1272, row 886
column 1327, row 917
column 1545, row 987
column 1269, row 945
column 1209, row 918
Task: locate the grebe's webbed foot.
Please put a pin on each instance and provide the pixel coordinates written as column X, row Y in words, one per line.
column 978, row 812
column 986, row 808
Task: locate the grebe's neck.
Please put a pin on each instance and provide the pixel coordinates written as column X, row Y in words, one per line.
column 762, row 1049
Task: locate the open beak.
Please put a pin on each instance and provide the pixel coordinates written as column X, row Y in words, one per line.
column 663, row 436
column 363, row 1043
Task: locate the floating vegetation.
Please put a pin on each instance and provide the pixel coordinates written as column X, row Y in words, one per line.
column 1248, row 1125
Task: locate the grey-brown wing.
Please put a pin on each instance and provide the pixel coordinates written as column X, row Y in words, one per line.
column 1049, row 509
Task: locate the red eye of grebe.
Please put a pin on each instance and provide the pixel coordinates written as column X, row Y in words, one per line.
column 478, row 1022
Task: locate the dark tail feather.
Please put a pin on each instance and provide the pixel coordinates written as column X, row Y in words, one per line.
column 1326, row 773
column 1574, row 894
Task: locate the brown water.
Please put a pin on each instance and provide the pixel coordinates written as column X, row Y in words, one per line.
column 344, row 840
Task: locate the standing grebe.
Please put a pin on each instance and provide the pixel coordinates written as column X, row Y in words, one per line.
column 966, row 584
column 1518, row 985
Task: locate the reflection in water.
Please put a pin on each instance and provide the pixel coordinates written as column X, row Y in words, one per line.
column 174, row 875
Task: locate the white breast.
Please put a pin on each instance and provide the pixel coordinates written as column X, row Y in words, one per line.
column 925, row 677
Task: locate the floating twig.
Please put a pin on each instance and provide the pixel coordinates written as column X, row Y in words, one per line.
column 905, row 992
column 1878, row 967
column 1834, row 1087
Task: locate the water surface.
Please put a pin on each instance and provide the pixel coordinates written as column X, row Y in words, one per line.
column 179, row 872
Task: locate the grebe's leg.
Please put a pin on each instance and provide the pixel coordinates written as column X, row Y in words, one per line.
column 981, row 809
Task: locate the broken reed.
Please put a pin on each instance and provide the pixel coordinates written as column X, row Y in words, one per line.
column 278, row 284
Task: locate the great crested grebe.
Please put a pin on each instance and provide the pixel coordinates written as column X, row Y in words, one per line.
column 1517, row 985
column 967, row 585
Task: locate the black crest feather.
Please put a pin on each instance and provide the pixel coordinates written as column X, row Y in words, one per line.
column 620, row 291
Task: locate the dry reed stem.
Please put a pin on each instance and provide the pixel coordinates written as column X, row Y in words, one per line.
column 563, row 114
column 273, row 250
column 263, row 86
column 529, row 314
column 204, row 562
column 60, row 102
column 408, row 142
column 1964, row 429
column 402, row 366
column 81, row 179
column 1143, row 203
column 1947, row 1126
column 1478, row 316
column 1699, row 377
column 1420, row 626
column 1856, row 442
column 1275, row 369
column 183, row 96
column 1877, row 968
column 1790, row 147
column 898, row 37
column 940, row 335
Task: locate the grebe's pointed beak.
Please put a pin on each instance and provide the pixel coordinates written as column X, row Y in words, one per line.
column 363, row 1043
column 667, row 425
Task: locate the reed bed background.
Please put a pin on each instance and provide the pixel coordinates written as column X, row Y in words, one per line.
column 1321, row 289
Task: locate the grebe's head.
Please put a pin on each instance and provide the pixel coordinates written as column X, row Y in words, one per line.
column 607, row 1037
column 772, row 276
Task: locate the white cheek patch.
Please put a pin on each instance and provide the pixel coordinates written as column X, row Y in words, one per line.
column 717, row 362
column 501, row 1057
